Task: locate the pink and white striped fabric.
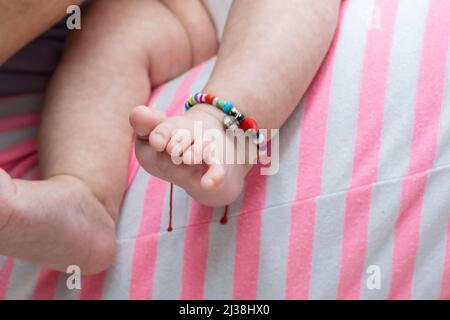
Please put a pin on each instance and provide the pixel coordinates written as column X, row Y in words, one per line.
column 364, row 182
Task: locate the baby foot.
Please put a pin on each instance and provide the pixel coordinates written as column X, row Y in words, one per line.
column 55, row 223
column 172, row 149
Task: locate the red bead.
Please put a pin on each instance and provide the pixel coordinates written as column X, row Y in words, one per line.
column 209, row 98
column 249, row 124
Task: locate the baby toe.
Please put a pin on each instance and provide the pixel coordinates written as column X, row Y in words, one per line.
column 179, row 142
column 161, row 135
column 144, row 119
column 193, row 154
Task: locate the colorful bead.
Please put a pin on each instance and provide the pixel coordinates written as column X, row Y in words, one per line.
column 235, row 113
column 187, row 106
column 197, row 97
column 192, row 101
column 227, row 107
column 214, row 102
column 209, row 99
column 249, row 124
column 240, row 117
column 221, row 103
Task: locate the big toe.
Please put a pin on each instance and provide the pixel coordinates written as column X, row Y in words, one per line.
column 144, row 119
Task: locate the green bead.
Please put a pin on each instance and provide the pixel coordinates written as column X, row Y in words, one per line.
column 221, row 103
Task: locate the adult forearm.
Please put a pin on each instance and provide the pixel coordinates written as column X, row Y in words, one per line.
column 23, row 20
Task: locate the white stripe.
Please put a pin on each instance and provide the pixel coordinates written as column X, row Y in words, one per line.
column 22, row 281
column 338, row 153
column 344, row 99
column 221, row 254
column 275, row 218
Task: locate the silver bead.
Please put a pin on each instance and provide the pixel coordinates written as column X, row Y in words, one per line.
column 234, row 112
column 230, row 123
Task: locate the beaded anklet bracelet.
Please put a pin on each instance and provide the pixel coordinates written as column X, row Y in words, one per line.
column 233, row 117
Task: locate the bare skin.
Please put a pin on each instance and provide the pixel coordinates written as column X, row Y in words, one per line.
column 77, row 203
column 264, row 70
column 108, row 67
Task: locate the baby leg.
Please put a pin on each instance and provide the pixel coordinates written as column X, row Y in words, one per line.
column 264, row 68
column 124, row 48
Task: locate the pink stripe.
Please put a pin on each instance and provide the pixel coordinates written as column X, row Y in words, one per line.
column 17, row 151
column 445, row 290
column 431, row 87
column 5, row 275
column 92, row 286
column 367, row 147
column 24, row 166
column 311, row 150
column 46, row 285
column 423, row 147
column 407, row 236
column 19, row 121
column 372, row 96
column 196, row 252
column 300, row 249
column 248, row 230
column 146, row 247
column 354, row 242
